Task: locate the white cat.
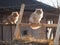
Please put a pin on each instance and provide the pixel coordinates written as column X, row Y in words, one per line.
column 36, row 16
column 12, row 19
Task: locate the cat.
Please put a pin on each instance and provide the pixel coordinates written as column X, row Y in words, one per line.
column 36, row 16
column 12, row 19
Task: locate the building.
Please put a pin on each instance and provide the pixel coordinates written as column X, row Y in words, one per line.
column 9, row 6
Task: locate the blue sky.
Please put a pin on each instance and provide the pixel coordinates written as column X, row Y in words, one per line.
column 50, row 2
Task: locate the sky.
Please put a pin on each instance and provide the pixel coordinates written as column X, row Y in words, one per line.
column 51, row 2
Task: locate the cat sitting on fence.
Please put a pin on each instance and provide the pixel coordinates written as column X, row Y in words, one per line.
column 36, row 16
column 12, row 19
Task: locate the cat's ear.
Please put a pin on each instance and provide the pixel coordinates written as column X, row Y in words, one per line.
column 39, row 10
column 14, row 13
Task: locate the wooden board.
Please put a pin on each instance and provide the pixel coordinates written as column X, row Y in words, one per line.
column 7, row 33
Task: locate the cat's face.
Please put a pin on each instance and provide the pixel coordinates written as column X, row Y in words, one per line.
column 39, row 11
column 15, row 14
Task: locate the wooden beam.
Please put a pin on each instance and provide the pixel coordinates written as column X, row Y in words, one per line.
column 26, row 24
column 49, row 25
column 17, row 30
column 42, row 24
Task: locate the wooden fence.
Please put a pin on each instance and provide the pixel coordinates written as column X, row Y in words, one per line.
column 6, row 32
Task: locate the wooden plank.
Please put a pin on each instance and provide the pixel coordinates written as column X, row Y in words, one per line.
column 0, row 33
column 26, row 24
column 7, row 33
column 13, row 30
column 41, row 24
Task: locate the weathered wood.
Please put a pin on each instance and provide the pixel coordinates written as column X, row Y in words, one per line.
column 26, row 24
column 1, row 33
column 7, row 33
column 13, row 30
column 56, row 40
column 1, row 24
column 42, row 24
column 27, row 42
column 17, row 30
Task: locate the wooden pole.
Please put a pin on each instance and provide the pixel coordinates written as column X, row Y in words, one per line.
column 17, row 30
column 56, row 40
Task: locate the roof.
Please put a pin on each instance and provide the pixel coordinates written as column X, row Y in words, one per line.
column 30, row 5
